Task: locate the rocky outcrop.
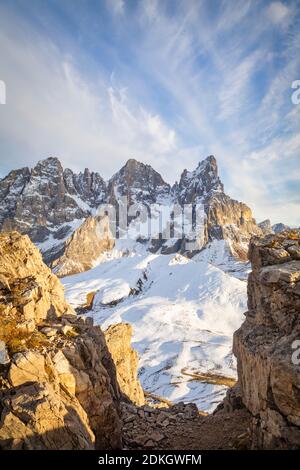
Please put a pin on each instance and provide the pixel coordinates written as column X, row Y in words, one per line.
column 85, row 245
column 58, row 383
column 60, row 392
column 29, row 292
column 268, row 363
column 280, row 227
column 118, row 340
column 266, row 227
column 227, row 219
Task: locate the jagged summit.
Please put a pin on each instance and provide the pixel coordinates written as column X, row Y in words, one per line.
column 49, row 161
column 49, row 202
column 280, row 227
column 266, row 226
column 139, row 182
column 199, row 183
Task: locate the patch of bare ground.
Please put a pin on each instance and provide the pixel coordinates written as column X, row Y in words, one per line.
column 183, row 427
column 210, row 378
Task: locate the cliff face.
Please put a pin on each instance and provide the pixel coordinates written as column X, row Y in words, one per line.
column 29, row 290
column 126, row 361
column 84, row 246
column 139, row 182
column 268, row 364
column 58, row 383
column 54, row 205
column 47, row 202
column 231, row 220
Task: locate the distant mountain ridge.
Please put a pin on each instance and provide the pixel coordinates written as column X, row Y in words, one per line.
column 267, row 228
column 49, row 202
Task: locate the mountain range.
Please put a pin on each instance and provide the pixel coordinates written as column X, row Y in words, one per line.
column 50, row 203
column 183, row 305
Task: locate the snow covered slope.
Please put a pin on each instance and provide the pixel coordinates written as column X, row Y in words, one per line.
column 183, row 314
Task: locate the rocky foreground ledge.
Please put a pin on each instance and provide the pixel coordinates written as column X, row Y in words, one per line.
column 58, row 382
column 64, row 384
column 266, row 344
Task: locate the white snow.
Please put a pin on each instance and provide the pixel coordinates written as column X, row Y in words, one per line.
column 183, row 318
column 51, row 242
column 218, row 253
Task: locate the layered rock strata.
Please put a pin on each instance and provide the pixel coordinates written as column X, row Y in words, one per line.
column 84, row 246
column 126, row 359
column 266, row 344
column 58, row 382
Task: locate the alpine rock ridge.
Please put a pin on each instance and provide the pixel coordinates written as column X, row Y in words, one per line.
column 50, row 204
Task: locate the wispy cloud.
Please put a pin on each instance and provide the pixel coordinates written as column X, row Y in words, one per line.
column 165, row 82
column 116, row 6
column 279, row 13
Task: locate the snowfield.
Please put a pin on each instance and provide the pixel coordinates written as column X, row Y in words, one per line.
column 183, row 314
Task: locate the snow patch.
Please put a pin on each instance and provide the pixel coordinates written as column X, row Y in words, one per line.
column 183, row 319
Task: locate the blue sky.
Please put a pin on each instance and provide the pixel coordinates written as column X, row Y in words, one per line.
column 167, row 82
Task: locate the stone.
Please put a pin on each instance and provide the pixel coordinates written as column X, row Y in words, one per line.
column 165, row 423
column 39, row 418
column 294, row 251
column 65, row 372
column 156, row 436
column 26, row 327
column 118, row 338
column 67, row 329
column 4, row 357
column 287, row 272
column 28, row 366
column 129, row 419
column 149, row 444
column 162, row 417
column 49, row 332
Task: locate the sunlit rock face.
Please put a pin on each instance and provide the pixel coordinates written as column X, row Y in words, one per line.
column 29, row 289
column 59, row 385
column 118, row 339
column 268, row 371
column 84, row 246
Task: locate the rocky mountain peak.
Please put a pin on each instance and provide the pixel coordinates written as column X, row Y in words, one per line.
column 266, row 226
column 280, row 227
column 48, row 166
column 139, row 182
column 49, row 203
column 199, row 183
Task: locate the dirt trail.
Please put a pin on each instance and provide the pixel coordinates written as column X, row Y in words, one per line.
column 182, row 427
